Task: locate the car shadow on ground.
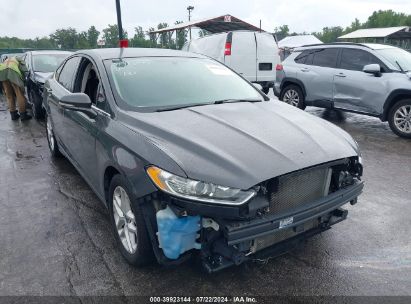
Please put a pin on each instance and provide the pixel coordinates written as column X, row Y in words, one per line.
column 333, row 115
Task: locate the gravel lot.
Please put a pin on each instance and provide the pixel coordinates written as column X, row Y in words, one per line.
column 55, row 237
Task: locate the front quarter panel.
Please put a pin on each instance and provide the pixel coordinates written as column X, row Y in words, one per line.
column 122, row 148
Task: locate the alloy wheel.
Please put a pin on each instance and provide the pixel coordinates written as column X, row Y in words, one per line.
column 402, row 119
column 291, row 97
column 124, row 219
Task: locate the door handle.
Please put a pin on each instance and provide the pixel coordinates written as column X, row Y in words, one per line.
column 341, row 75
column 48, row 90
column 305, row 70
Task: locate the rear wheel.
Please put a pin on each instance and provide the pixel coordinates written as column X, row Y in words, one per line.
column 294, row 96
column 399, row 118
column 128, row 224
column 51, row 139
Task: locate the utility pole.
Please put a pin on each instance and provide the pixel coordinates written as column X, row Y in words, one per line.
column 190, row 8
column 122, row 42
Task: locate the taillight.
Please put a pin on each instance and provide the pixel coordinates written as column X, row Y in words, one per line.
column 279, row 67
column 227, row 50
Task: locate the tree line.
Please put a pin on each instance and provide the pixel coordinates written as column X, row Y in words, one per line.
column 387, row 18
column 70, row 38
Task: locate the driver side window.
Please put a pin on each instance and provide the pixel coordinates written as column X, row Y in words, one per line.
column 67, row 73
column 88, row 82
column 355, row 60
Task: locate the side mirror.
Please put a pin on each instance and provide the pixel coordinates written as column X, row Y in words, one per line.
column 372, row 69
column 78, row 102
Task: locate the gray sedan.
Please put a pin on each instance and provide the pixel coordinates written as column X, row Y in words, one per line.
column 190, row 158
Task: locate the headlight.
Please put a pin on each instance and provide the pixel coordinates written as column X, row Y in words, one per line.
column 197, row 190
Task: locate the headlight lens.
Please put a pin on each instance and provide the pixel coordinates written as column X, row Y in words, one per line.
column 197, row 190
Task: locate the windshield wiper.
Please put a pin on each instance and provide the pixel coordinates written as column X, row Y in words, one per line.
column 172, row 108
column 236, row 100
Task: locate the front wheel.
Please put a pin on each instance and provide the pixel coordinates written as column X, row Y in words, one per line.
column 399, row 118
column 293, row 95
column 128, row 224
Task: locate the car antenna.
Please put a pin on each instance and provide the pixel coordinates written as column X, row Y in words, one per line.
column 120, row 56
column 119, row 60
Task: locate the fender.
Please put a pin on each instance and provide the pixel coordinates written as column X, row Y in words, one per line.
column 126, row 163
column 102, row 182
column 393, row 98
column 292, row 80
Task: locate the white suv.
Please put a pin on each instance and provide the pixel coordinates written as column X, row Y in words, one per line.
column 371, row 79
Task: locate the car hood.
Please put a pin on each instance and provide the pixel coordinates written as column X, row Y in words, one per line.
column 242, row 144
column 41, row 77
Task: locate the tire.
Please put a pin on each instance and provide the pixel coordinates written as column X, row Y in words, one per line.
column 51, row 139
column 265, row 90
column 37, row 108
column 399, row 118
column 293, row 95
column 134, row 244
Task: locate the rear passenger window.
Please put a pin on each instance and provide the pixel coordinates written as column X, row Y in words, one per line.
column 326, row 57
column 67, row 74
column 302, row 57
column 352, row 59
column 310, row 57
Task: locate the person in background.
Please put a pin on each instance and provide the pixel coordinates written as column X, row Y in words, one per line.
column 2, row 58
column 12, row 79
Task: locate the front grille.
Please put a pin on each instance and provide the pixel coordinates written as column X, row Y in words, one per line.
column 293, row 190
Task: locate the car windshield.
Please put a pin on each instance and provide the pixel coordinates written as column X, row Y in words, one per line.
column 164, row 82
column 47, row 63
column 395, row 57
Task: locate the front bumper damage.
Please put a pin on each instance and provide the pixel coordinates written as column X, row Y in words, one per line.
column 230, row 235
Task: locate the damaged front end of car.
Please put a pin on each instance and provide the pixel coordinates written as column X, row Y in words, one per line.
column 230, row 226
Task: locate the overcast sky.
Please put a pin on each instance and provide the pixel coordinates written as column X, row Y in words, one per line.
column 37, row 18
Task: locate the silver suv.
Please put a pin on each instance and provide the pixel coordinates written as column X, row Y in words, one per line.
column 371, row 79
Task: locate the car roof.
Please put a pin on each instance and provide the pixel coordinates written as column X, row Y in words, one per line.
column 50, row 52
column 112, row 53
column 378, row 46
column 373, row 46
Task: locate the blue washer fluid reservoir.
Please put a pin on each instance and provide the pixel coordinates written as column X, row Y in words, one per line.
column 177, row 235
